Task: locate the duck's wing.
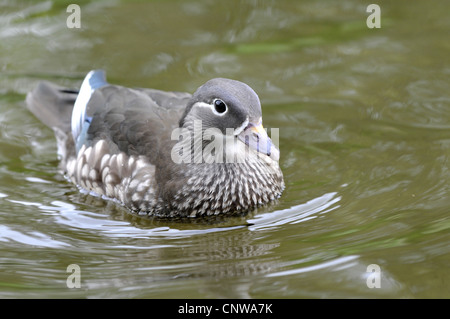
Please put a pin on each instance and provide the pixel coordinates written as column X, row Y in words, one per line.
column 133, row 121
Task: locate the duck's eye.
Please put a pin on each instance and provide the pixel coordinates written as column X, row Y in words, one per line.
column 220, row 106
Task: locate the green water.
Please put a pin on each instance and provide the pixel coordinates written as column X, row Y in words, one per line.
column 364, row 120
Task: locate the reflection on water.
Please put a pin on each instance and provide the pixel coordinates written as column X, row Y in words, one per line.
column 67, row 214
column 295, row 214
column 364, row 137
column 346, row 262
column 32, row 239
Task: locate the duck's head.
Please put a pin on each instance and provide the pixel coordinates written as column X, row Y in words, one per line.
column 232, row 108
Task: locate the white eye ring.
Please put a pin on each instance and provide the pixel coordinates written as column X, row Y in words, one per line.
column 219, row 107
column 214, row 105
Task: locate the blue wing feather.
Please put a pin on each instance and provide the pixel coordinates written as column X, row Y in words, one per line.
column 80, row 121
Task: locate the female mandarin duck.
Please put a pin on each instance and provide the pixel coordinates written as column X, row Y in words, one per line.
column 120, row 143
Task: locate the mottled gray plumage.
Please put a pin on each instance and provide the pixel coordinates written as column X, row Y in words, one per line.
column 118, row 143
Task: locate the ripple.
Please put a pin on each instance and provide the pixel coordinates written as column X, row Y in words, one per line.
column 215, row 63
column 296, row 214
column 341, row 261
column 39, row 28
column 34, row 238
column 68, row 215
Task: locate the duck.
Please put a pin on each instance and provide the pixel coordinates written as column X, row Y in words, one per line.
column 163, row 153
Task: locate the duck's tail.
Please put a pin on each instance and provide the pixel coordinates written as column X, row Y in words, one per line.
column 64, row 109
column 53, row 105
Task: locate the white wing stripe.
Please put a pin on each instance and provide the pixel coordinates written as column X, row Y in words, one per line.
column 93, row 80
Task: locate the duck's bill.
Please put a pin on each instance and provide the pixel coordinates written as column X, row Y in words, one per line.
column 255, row 136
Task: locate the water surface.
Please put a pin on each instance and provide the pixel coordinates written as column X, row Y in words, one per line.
column 364, row 119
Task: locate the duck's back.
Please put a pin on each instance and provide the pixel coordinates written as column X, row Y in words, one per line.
column 134, row 121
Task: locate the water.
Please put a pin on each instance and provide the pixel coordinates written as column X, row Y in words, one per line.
column 364, row 118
